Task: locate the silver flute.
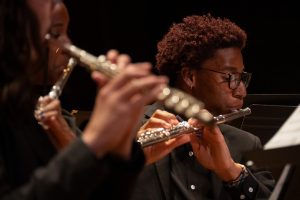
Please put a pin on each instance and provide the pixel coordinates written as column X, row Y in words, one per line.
column 57, row 88
column 150, row 137
column 173, row 99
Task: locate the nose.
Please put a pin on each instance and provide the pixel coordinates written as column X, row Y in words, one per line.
column 65, row 40
column 240, row 92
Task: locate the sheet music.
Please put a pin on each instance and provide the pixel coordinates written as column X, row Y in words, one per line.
column 288, row 134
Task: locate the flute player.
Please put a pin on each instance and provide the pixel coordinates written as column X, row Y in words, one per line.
column 30, row 165
column 202, row 55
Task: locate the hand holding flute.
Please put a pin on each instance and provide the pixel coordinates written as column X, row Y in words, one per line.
column 211, row 151
column 48, row 111
column 163, row 132
column 156, row 150
column 50, row 117
column 133, row 79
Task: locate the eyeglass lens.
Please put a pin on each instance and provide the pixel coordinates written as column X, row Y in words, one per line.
column 235, row 79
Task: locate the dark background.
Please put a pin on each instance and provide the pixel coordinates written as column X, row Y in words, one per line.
column 272, row 52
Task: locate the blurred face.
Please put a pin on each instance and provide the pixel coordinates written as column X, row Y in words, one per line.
column 211, row 84
column 57, row 59
column 43, row 10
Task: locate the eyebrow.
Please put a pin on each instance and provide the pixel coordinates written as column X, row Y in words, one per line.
column 231, row 68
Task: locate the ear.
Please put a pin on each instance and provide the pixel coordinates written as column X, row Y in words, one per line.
column 188, row 76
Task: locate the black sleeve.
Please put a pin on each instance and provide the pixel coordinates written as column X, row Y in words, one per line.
column 124, row 174
column 257, row 185
column 72, row 174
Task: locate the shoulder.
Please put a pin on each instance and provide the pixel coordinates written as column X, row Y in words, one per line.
column 239, row 140
column 232, row 132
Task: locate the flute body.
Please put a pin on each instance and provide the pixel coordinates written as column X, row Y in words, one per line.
column 150, row 137
column 157, row 135
column 173, row 99
column 57, row 88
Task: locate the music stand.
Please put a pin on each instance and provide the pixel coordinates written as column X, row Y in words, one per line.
column 265, row 120
column 272, row 99
column 282, row 183
column 284, row 165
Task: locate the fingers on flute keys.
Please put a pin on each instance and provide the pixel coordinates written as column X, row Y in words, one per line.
column 47, row 109
column 136, row 80
column 121, row 60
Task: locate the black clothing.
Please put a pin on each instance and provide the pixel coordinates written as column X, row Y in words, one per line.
column 30, row 167
column 179, row 176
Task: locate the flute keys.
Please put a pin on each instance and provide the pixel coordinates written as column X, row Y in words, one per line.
column 152, row 136
column 101, row 58
column 182, row 106
column 192, row 111
column 164, row 94
column 205, row 117
column 160, row 134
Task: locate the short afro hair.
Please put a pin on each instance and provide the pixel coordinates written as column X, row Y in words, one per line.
column 194, row 40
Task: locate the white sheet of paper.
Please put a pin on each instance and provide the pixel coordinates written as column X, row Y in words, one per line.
column 288, row 134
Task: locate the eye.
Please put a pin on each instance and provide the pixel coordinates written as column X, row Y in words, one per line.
column 228, row 77
column 56, row 31
column 55, row 34
column 235, row 77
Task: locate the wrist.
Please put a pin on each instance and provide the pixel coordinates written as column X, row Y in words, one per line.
column 97, row 145
column 231, row 173
column 236, row 182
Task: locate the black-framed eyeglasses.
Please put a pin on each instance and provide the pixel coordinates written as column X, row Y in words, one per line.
column 234, row 79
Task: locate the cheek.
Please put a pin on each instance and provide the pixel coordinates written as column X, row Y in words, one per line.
column 223, row 92
column 216, row 98
column 224, row 101
column 55, row 67
column 61, row 61
column 224, row 96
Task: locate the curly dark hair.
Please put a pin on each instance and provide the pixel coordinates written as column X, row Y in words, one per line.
column 194, row 40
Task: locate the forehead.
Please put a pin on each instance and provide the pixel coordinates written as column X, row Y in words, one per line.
column 41, row 7
column 227, row 59
column 60, row 13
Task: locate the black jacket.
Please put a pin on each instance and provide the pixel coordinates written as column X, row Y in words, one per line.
column 180, row 176
column 30, row 167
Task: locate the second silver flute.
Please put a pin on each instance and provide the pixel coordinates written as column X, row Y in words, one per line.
column 157, row 135
column 173, row 99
